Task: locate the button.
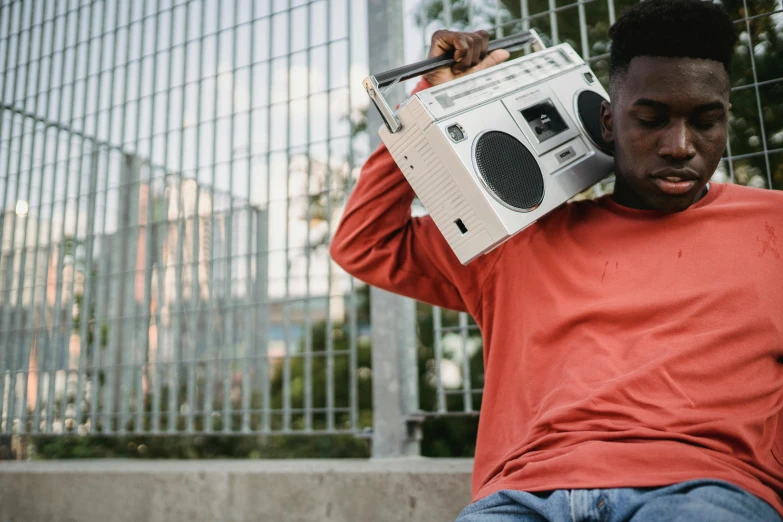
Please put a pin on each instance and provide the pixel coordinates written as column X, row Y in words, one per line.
column 589, row 78
column 565, row 155
column 552, row 162
column 456, row 132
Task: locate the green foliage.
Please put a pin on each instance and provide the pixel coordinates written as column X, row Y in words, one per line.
column 749, row 107
column 319, row 375
column 446, row 436
column 191, row 447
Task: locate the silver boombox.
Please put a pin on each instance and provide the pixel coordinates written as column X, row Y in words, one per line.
column 490, row 153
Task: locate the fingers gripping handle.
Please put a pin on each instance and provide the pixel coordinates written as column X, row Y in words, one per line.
column 374, row 84
column 406, row 72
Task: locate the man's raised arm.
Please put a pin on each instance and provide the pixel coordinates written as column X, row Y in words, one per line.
column 377, row 240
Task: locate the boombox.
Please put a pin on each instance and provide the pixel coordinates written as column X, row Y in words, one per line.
column 490, row 153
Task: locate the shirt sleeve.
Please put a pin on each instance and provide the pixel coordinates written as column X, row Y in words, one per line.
column 380, row 243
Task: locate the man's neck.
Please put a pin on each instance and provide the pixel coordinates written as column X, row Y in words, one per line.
column 625, row 196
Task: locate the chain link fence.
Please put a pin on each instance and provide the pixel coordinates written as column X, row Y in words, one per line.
column 171, row 174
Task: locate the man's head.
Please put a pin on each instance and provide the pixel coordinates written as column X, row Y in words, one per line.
column 669, row 85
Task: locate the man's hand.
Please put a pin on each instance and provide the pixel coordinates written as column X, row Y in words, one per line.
column 470, row 53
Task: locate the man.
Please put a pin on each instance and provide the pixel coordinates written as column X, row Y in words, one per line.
column 633, row 345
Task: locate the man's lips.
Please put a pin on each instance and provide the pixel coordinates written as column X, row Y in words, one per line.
column 675, row 175
column 675, row 182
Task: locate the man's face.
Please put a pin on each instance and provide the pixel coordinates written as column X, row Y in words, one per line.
column 668, row 121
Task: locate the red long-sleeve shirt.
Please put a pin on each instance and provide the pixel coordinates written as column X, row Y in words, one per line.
column 622, row 347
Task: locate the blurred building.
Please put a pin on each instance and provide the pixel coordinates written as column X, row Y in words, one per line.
column 155, row 233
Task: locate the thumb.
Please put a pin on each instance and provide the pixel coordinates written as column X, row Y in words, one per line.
column 493, row 58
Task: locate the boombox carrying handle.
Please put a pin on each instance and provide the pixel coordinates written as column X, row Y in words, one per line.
column 374, row 84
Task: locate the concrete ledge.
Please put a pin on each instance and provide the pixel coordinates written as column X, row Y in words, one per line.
column 404, row 490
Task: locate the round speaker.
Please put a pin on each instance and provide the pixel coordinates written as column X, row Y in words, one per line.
column 509, row 170
column 588, row 106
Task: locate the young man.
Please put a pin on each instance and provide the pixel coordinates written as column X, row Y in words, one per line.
column 633, row 345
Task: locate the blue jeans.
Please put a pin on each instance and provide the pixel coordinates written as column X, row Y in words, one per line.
column 693, row 501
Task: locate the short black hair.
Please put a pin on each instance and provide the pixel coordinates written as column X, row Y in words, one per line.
column 672, row 28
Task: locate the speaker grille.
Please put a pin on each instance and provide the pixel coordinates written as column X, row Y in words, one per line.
column 589, row 106
column 509, row 170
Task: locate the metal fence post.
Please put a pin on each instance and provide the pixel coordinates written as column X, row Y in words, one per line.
column 395, row 374
column 122, row 300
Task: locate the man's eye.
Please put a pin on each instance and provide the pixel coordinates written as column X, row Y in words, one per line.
column 705, row 124
column 650, row 123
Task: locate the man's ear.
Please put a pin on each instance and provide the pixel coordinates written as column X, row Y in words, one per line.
column 607, row 122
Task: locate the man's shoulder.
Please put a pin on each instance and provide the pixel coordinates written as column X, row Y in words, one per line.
column 753, row 197
column 751, row 192
column 567, row 215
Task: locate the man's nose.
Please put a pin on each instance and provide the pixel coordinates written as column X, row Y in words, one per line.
column 677, row 142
